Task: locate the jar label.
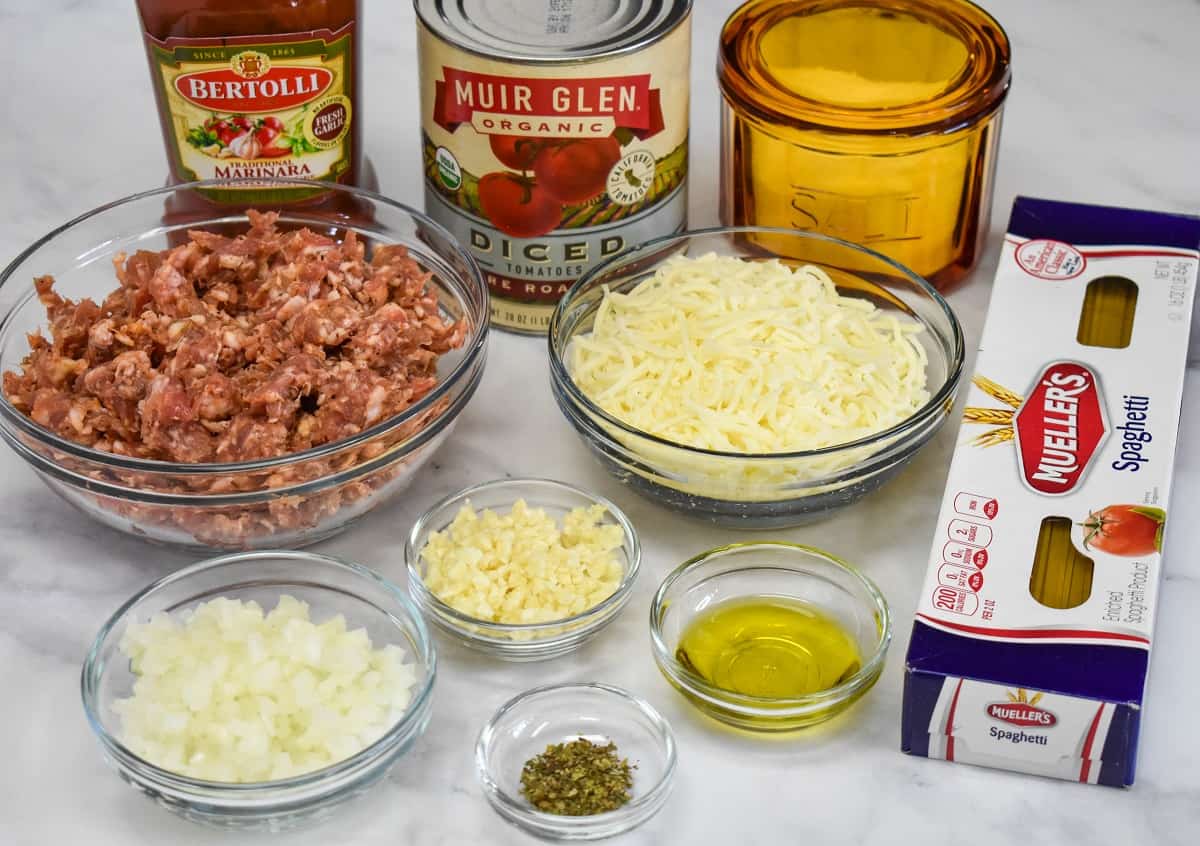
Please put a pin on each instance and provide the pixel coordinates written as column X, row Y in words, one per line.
column 258, row 108
column 543, row 171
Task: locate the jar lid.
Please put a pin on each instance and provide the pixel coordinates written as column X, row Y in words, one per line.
column 864, row 66
column 535, row 31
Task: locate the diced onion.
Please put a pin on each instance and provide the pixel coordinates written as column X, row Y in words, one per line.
column 226, row 693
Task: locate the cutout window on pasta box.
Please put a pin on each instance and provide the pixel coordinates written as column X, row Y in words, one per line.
column 1059, row 487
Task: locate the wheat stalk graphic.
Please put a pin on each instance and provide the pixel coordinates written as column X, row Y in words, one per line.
column 1001, row 419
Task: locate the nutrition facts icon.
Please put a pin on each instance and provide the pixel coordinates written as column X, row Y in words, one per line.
column 967, row 578
column 964, row 555
column 974, row 505
column 955, row 600
column 964, row 531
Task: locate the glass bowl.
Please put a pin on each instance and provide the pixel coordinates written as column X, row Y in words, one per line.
column 330, row 587
column 526, row 725
column 525, row 641
column 763, row 490
column 288, row 501
column 775, row 569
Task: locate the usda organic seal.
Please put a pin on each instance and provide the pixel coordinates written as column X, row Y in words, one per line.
column 448, row 169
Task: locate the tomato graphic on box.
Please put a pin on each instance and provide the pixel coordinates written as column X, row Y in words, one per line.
column 1126, row 530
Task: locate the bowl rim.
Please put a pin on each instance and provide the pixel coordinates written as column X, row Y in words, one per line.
column 778, row 705
column 632, row 810
column 90, row 678
column 472, row 282
column 561, row 375
column 435, row 605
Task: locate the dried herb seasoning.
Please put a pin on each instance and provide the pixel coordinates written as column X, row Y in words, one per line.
column 577, row 779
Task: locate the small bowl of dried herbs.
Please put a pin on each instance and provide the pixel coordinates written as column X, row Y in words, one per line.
column 576, row 761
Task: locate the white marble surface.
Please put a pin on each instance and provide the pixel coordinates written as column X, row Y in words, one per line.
column 1103, row 108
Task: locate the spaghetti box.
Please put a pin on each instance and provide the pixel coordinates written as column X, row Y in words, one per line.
column 1033, row 630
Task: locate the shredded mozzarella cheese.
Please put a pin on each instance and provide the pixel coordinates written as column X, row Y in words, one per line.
column 750, row 357
column 732, row 355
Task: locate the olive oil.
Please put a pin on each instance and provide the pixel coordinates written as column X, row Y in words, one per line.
column 769, row 646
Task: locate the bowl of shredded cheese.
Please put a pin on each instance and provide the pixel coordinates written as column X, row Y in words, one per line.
column 755, row 391
column 522, row 569
column 260, row 690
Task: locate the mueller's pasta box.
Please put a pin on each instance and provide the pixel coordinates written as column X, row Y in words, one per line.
column 1033, row 629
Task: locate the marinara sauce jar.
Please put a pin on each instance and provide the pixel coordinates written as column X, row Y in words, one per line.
column 875, row 121
column 554, row 135
column 256, row 90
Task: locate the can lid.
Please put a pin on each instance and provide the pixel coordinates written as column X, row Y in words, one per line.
column 551, row 31
column 864, row 66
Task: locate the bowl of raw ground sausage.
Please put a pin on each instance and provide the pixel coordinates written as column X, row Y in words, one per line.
column 207, row 375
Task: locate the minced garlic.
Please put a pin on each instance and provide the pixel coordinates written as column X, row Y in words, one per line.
column 521, row 567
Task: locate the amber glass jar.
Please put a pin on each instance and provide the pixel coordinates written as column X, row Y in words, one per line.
column 875, row 122
column 256, row 90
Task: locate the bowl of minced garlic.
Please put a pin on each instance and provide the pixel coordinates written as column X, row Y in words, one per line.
column 748, row 389
column 523, row 569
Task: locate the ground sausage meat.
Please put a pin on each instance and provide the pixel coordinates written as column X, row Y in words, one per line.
column 236, row 348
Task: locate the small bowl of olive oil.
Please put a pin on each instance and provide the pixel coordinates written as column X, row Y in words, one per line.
column 770, row 636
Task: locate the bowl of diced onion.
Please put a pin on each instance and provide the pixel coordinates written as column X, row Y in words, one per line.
column 522, row 569
column 260, row 690
column 754, row 377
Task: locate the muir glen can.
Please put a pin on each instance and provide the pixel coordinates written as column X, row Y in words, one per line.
column 554, row 135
